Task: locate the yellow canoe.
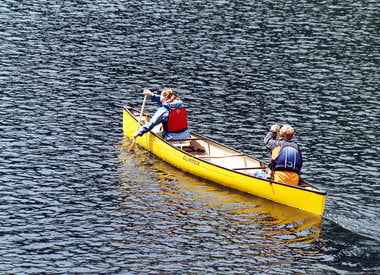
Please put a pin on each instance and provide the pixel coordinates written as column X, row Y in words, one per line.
column 213, row 161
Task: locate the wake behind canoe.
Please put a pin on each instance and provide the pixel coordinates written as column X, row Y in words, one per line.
column 213, row 161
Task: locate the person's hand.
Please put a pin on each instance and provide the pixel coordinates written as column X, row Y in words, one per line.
column 148, row 92
column 275, row 128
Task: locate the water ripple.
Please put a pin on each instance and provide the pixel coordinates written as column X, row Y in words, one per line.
column 73, row 200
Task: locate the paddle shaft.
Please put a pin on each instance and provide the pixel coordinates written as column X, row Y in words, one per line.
column 133, row 145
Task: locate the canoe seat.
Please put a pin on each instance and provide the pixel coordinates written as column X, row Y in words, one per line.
column 180, row 144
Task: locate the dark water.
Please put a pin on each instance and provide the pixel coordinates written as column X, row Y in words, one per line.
column 74, row 200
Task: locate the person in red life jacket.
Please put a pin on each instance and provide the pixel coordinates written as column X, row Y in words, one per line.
column 286, row 158
column 170, row 113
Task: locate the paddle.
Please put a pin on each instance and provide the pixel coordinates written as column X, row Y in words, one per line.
column 133, row 145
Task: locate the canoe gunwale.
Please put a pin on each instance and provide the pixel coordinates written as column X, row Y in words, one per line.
column 200, row 158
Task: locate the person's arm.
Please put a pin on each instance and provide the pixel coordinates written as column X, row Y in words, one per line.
column 270, row 141
column 155, row 98
column 155, row 120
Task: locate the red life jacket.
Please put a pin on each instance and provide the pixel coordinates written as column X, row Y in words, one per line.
column 177, row 121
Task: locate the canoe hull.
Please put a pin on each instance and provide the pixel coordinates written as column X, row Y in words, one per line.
column 305, row 199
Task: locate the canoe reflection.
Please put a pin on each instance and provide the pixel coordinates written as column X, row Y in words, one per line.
column 205, row 197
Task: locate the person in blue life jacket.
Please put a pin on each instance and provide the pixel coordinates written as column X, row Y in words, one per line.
column 170, row 113
column 286, row 157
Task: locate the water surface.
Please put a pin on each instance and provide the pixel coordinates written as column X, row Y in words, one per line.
column 74, row 200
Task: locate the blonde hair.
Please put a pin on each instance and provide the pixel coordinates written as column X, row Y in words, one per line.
column 170, row 94
column 286, row 131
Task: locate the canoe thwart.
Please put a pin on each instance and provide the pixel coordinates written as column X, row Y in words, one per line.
column 250, row 168
column 185, row 139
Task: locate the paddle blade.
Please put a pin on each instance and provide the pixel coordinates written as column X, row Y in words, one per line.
column 133, row 146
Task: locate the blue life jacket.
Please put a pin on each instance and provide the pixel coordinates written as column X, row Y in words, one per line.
column 288, row 159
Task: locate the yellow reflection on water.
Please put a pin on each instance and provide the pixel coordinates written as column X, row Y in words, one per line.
column 231, row 205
